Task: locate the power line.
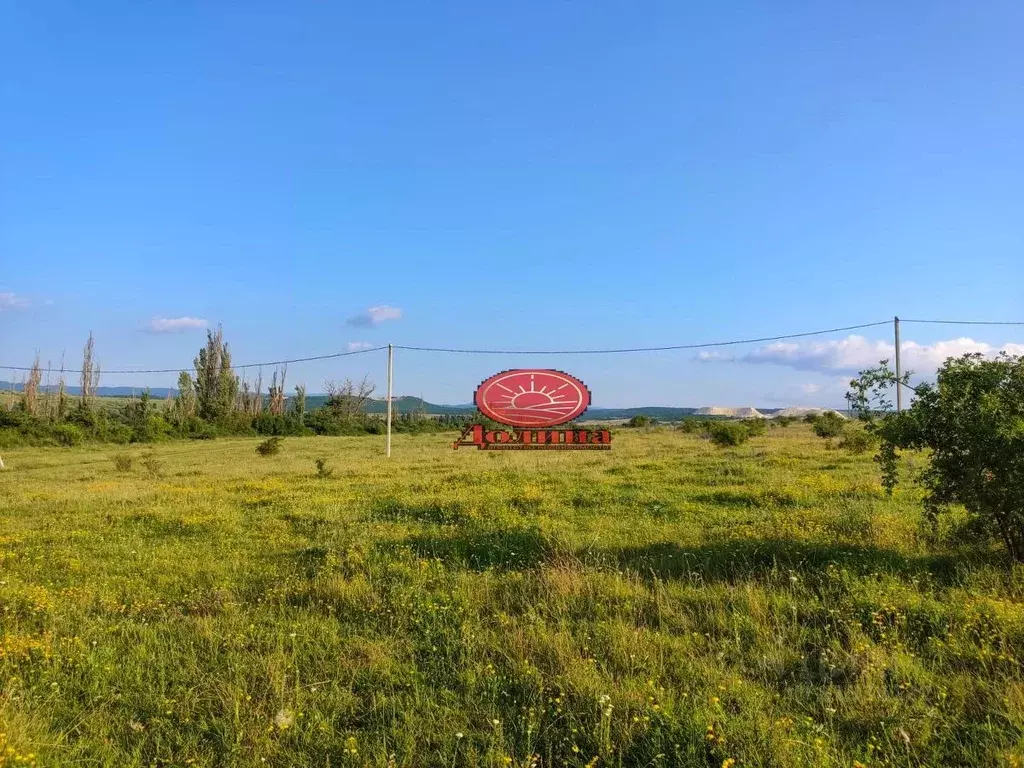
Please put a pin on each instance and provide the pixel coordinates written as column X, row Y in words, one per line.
column 965, row 322
column 641, row 349
column 453, row 350
column 175, row 370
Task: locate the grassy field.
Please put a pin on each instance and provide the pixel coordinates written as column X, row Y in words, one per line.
column 667, row 603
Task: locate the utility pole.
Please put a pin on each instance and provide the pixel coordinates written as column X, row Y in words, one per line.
column 391, row 372
column 899, row 368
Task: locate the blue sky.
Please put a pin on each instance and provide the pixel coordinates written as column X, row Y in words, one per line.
column 534, row 175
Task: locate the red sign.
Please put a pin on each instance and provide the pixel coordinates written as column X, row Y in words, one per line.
column 532, row 397
column 477, row 436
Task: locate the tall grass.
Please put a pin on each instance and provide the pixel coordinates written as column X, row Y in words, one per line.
column 666, row 603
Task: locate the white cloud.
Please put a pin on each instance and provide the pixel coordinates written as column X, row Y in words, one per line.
column 356, row 346
column 810, row 389
column 714, row 357
column 175, row 324
column 375, row 316
column 855, row 353
column 10, row 300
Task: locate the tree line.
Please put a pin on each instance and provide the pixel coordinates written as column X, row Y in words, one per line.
column 212, row 400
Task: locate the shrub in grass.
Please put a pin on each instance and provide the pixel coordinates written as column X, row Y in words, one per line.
column 693, row 426
column 322, row 470
column 640, row 421
column 727, row 433
column 755, row 427
column 829, row 424
column 153, row 465
column 856, row 440
column 122, row 462
column 68, row 435
column 269, row 447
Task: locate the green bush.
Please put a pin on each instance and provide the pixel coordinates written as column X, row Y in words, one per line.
column 640, row 421
column 122, row 462
column 322, row 470
column 695, row 426
column 67, row 435
column 856, row 440
column 153, row 465
column 269, row 447
column 197, row 429
column 755, row 427
column 971, row 425
column 727, row 433
column 828, row 424
column 276, row 424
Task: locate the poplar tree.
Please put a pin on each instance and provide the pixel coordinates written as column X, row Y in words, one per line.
column 216, row 385
column 90, row 376
column 299, row 403
column 185, row 403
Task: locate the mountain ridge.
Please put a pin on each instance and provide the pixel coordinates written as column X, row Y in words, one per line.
column 403, row 404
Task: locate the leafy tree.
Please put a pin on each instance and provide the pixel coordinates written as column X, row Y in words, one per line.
column 136, row 414
column 184, row 407
column 62, row 399
column 216, row 385
column 971, row 422
column 299, row 403
column 869, row 392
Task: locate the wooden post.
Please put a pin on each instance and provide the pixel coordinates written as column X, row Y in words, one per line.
column 391, row 372
column 899, row 368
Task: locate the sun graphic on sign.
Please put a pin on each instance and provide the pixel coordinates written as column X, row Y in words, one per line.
column 532, row 397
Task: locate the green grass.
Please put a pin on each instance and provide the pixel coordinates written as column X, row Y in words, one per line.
column 666, row 603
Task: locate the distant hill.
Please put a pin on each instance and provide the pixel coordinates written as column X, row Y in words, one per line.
column 161, row 392
column 406, row 404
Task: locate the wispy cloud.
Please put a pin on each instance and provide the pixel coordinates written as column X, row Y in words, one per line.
column 375, row 316
column 855, row 353
column 10, row 300
column 175, row 324
column 357, row 346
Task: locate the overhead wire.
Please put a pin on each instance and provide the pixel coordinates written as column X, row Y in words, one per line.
column 236, row 367
column 965, row 322
column 601, row 351
column 705, row 345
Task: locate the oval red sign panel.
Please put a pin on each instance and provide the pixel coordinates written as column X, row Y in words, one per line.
column 532, row 397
